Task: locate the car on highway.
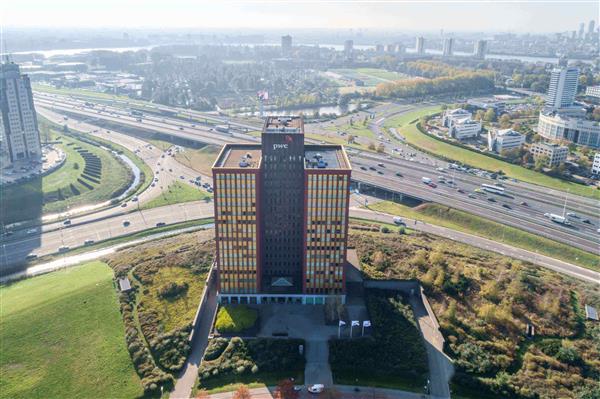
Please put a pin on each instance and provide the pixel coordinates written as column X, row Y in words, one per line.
column 88, row 242
column 572, row 215
column 209, row 189
column 31, row 257
column 460, row 190
column 126, row 223
column 124, row 205
column 586, row 221
column 472, row 195
column 134, row 199
column 372, row 168
column 160, row 224
column 432, row 185
column 398, row 174
column 523, row 203
column 363, row 168
column 180, row 127
column 63, row 248
column 316, row 388
column 506, row 206
column 398, row 221
column 381, row 165
column 31, row 231
column 380, row 172
column 67, row 222
column 491, row 199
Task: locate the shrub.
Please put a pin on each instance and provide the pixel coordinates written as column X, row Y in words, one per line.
column 173, row 290
column 384, row 229
column 235, row 318
column 215, row 348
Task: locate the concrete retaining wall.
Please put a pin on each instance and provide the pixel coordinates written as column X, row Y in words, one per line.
column 210, row 282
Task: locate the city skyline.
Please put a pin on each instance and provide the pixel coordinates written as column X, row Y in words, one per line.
column 409, row 16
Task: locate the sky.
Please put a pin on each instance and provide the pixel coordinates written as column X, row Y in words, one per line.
column 400, row 15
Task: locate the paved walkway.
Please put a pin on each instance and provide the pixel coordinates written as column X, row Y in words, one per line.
column 187, row 378
column 317, row 370
column 440, row 366
column 345, row 392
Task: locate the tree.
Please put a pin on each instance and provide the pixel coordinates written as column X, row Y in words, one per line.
column 380, row 148
column 351, row 139
column 505, row 121
column 285, row 390
column 490, row 115
column 202, row 395
column 540, row 162
column 242, row 393
column 479, row 115
column 372, row 146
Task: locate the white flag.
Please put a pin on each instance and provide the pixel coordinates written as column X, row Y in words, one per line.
column 355, row 323
column 367, row 323
column 342, row 323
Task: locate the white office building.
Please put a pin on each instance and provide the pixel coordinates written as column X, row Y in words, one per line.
column 596, row 164
column 593, row 91
column 452, row 114
column 480, row 49
column 504, row 139
column 554, row 153
column 349, row 49
column 563, row 87
column 571, row 126
column 19, row 134
column 465, row 128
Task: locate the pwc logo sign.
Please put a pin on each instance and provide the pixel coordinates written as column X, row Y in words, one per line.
column 288, row 139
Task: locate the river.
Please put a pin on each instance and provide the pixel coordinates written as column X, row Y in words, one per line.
column 309, row 111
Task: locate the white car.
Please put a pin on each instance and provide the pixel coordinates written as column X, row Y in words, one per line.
column 316, row 388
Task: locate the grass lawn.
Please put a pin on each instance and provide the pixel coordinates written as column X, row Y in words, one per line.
column 162, row 144
column 200, row 160
column 382, row 73
column 61, row 336
column 235, row 318
column 176, row 193
column 370, row 76
column 60, row 189
column 259, row 380
column 358, row 129
column 469, row 223
column 437, row 147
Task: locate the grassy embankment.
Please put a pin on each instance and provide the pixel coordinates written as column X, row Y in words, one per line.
column 177, row 193
column 61, row 336
column 408, row 129
column 200, row 160
column 462, row 221
column 69, row 186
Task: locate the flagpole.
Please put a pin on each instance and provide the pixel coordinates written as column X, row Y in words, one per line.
column 339, row 330
column 351, row 327
column 363, row 330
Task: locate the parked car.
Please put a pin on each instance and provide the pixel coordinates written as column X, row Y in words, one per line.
column 316, row 388
column 160, row 224
column 88, row 242
column 67, row 222
column 126, row 223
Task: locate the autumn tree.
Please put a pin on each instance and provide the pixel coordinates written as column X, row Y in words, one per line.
column 242, row 393
column 285, row 390
column 202, row 395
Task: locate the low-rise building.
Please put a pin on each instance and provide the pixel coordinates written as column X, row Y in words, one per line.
column 569, row 125
column 504, row 139
column 555, row 154
column 451, row 114
column 593, row 91
column 596, row 164
column 464, row 128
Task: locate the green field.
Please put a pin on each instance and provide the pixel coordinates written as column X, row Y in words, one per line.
column 60, row 190
column 472, row 224
column 61, row 336
column 177, row 193
column 357, row 129
column 370, row 76
column 451, row 152
column 200, row 160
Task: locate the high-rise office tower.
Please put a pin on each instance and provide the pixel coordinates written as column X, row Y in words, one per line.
column 480, row 49
column 447, row 49
column 281, row 215
column 591, row 27
column 19, row 134
column 349, row 49
column 286, row 45
column 563, row 87
column 581, row 30
column 420, row 45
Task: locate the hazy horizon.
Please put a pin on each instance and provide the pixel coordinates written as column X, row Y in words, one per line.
column 377, row 15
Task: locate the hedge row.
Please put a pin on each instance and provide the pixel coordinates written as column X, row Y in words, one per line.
column 152, row 376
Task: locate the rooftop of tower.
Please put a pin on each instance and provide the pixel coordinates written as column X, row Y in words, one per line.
column 283, row 124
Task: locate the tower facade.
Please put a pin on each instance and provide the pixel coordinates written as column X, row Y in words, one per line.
column 281, row 215
column 563, row 87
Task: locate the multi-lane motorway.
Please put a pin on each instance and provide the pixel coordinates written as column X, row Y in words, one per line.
column 506, row 209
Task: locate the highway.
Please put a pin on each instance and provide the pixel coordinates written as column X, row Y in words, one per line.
column 505, row 209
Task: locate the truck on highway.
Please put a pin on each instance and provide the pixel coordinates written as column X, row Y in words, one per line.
column 426, row 180
column 557, row 218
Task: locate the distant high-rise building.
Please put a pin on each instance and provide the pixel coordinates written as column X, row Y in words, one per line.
column 581, row 30
column 391, row 48
column 420, row 45
column 379, row 48
column 591, row 27
column 400, row 49
column 447, row 49
column 574, row 35
column 480, row 48
column 349, row 49
column 563, row 87
column 19, row 134
column 286, row 45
